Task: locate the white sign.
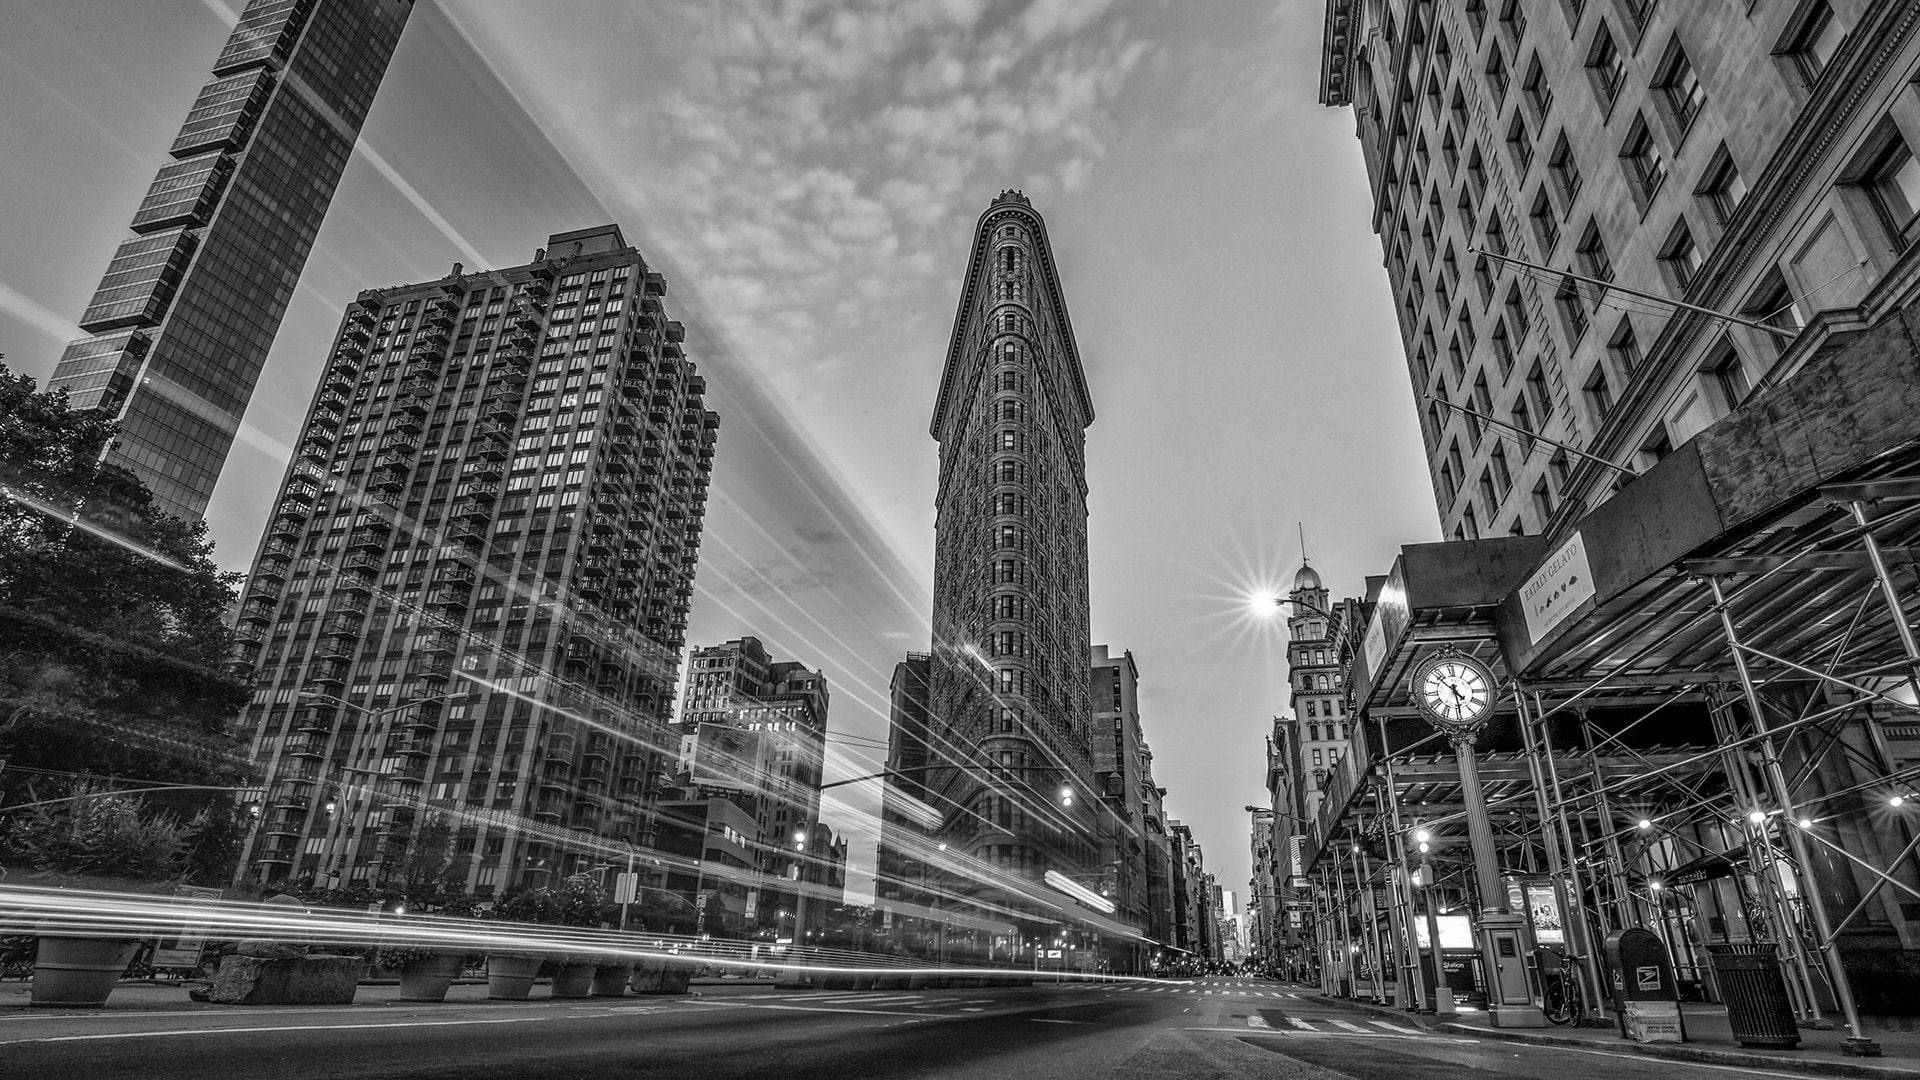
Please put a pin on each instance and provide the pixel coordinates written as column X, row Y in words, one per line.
column 624, row 886
column 753, row 902
column 1563, row 584
column 1653, row 1021
column 1375, row 644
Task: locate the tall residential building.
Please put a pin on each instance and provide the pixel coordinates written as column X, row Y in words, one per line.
column 1009, row 690
column 183, row 318
column 1757, row 161
column 468, row 608
column 753, row 731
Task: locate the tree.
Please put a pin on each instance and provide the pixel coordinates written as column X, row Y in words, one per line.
column 113, row 630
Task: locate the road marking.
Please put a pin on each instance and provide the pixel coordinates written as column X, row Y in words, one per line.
column 1283, row 1033
column 287, row 1027
column 1396, row 1027
column 1301, row 1024
column 1049, row 1020
column 1258, row 1022
column 1349, row 1026
column 816, row 1008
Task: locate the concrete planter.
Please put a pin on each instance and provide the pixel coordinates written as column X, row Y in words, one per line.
column 510, row 976
column 574, row 981
column 428, row 980
column 78, row 972
column 610, row 980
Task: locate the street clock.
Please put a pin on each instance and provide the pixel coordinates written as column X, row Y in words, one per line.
column 1455, row 692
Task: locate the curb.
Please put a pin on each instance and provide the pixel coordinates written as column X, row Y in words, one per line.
column 1682, row 1052
column 1671, row 1051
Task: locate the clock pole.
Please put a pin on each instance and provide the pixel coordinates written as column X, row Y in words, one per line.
column 1503, row 937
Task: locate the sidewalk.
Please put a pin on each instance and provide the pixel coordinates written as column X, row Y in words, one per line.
column 1710, row 1040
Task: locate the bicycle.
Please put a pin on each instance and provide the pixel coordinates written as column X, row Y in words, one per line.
column 1560, row 994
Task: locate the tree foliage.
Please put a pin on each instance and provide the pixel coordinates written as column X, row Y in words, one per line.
column 113, row 626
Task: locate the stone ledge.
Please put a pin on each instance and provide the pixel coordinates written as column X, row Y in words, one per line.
column 306, row 980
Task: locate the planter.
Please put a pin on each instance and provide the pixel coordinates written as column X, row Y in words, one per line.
column 78, row 972
column 510, row 976
column 428, row 980
column 574, row 981
column 610, row 980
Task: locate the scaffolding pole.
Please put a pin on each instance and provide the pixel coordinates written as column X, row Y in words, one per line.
column 1856, row 1043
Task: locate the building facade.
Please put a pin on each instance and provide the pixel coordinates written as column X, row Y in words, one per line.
column 1009, row 687
column 468, row 609
column 753, row 732
column 1755, row 162
column 181, row 323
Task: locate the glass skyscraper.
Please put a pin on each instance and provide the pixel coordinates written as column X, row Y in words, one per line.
column 183, row 318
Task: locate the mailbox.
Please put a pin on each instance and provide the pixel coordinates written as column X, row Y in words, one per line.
column 1646, row 999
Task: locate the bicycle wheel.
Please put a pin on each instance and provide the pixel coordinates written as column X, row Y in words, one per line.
column 1559, row 1005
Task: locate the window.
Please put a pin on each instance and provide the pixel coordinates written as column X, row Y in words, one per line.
column 1598, row 394
column 1489, row 498
column 1522, row 419
column 1483, row 278
column 1537, row 393
column 1678, row 86
column 1516, row 309
column 1502, row 346
column 1477, row 16
column 1645, row 167
column 1655, row 449
column 1546, row 223
column 1450, row 152
column 1726, row 376
column 1624, row 347
column 1680, row 256
column 1892, row 183
column 1774, row 304
column 1812, row 39
column 1573, row 309
column 1606, row 66
column 1591, row 253
column 1543, row 502
column 1721, row 188
column 1564, row 170
column 1514, row 21
column 1519, row 144
column 1538, row 93
column 1502, row 476
column 1497, row 74
column 1638, row 12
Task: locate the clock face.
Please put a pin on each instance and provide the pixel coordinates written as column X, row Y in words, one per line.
column 1455, row 691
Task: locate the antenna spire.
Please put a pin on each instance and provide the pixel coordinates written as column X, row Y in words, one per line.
column 1303, row 540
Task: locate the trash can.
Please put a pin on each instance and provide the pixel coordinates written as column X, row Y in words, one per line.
column 1758, row 1009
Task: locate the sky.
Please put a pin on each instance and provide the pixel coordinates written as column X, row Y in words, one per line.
column 808, row 173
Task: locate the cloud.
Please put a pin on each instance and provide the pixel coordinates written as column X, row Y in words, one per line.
column 795, row 155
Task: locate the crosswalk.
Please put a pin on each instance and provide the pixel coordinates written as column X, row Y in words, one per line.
column 881, row 999
column 1371, row 1028
column 1199, row 990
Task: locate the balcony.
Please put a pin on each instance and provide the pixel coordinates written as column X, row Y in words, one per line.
column 367, row 539
column 258, row 610
column 388, row 477
column 479, row 491
column 273, row 570
column 500, row 407
column 341, row 380
column 328, row 674
column 486, row 472
column 449, row 596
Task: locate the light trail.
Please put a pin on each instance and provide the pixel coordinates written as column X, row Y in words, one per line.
column 95, row 913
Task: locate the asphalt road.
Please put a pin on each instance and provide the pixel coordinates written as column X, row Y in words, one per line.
column 1237, row 1028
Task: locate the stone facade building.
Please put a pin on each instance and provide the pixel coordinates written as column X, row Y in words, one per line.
column 1009, row 687
column 1756, row 161
column 468, row 608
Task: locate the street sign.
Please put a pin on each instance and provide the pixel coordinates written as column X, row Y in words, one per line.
column 1053, row 954
column 700, row 902
column 625, row 885
column 753, row 902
